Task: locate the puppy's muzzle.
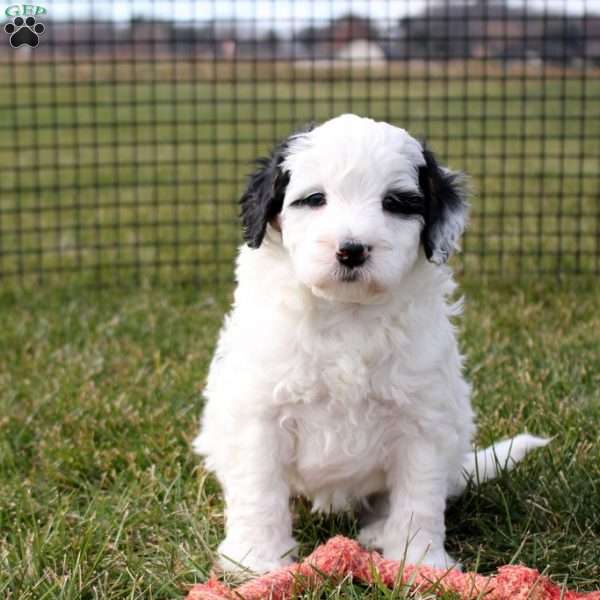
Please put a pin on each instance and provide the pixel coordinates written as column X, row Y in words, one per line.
column 352, row 254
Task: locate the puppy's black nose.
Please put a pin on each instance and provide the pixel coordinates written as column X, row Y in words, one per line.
column 352, row 254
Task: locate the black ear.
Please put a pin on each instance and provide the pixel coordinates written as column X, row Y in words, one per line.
column 445, row 194
column 263, row 199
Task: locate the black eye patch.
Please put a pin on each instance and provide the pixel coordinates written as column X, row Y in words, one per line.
column 313, row 201
column 400, row 202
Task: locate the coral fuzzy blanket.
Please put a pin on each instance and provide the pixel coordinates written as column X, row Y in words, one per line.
column 341, row 557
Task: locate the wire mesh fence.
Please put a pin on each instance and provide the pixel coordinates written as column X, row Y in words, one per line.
column 127, row 129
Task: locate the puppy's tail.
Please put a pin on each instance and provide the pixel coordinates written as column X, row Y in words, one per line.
column 482, row 465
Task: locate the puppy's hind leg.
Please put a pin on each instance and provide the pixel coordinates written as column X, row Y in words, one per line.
column 372, row 516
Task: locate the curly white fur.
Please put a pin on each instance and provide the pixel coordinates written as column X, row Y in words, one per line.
column 337, row 389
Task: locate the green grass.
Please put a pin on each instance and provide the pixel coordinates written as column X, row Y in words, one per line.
column 100, row 496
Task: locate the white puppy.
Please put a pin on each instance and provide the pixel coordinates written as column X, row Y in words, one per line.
column 337, row 373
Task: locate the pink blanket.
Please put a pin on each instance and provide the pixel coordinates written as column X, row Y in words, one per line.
column 341, row 557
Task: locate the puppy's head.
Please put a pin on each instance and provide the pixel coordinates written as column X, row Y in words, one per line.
column 358, row 203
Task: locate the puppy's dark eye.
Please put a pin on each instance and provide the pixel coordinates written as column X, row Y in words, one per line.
column 313, row 201
column 403, row 203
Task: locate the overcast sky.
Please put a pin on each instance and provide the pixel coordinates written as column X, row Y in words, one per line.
column 272, row 13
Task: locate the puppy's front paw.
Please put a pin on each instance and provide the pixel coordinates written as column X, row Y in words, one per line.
column 247, row 558
column 422, row 554
column 440, row 559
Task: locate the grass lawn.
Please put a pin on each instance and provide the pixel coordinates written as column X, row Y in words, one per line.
column 100, row 496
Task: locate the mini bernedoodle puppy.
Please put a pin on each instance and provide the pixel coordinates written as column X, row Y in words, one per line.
column 337, row 375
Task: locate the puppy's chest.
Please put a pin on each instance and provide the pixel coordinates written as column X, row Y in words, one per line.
column 337, row 449
column 342, row 407
column 352, row 369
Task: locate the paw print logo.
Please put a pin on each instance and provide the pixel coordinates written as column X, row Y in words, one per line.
column 24, row 31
